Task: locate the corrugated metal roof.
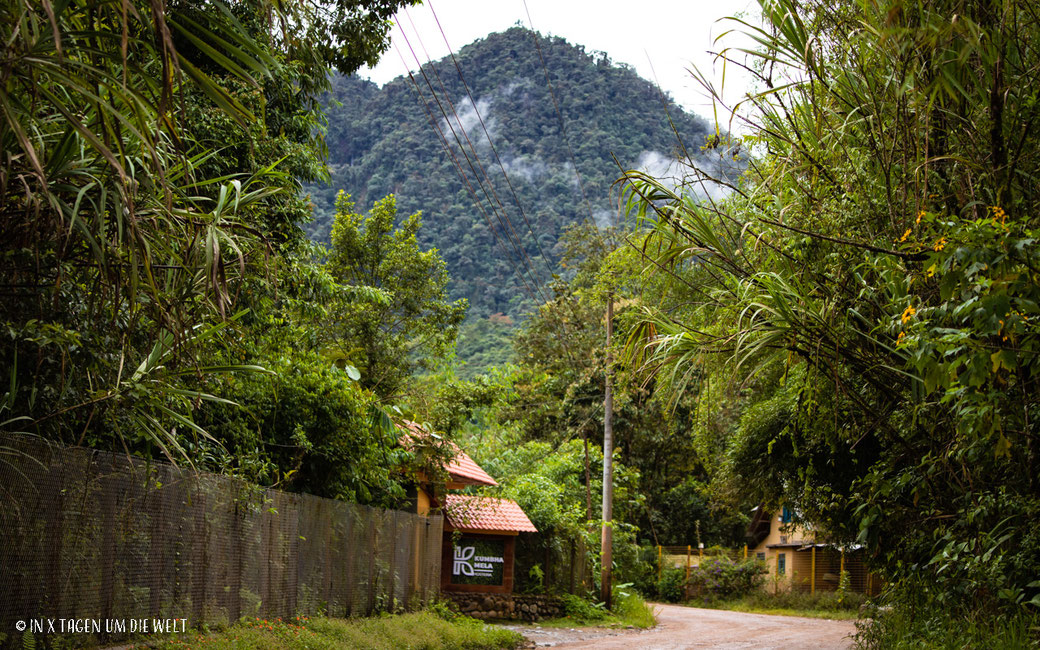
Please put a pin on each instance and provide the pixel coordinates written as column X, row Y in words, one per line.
column 462, row 468
column 486, row 513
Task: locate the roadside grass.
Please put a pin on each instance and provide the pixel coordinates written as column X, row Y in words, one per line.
column 630, row 610
column 633, row 610
column 895, row 630
column 828, row 604
column 414, row 631
column 739, row 606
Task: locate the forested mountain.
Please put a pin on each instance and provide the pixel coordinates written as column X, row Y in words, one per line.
column 383, row 140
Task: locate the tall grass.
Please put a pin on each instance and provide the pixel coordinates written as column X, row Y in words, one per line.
column 825, row 604
column 896, row 630
column 630, row 607
column 415, row 631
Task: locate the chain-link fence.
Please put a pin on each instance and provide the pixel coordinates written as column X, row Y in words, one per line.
column 552, row 564
column 806, row 568
column 821, row 567
column 96, row 535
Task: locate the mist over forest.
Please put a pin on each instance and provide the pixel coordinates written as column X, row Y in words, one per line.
column 382, row 141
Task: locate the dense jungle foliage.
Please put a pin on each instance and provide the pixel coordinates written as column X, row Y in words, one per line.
column 537, row 424
column 154, row 265
column 867, row 302
column 383, row 141
column 850, row 330
column 162, row 298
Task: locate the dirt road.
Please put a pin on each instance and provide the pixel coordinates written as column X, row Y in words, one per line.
column 689, row 627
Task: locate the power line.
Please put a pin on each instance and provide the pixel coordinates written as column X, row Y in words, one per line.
column 502, row 216
column 494, row 150
column 502, row 222
column 512, row 190
column 462, row 175
column 514, row 241
column 563, row 127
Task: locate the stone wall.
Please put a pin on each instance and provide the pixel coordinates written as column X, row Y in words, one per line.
column 506, row 606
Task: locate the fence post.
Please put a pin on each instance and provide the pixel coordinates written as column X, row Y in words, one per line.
column 812, row 580
column 687, row 563
column 745, row 551
column 776, row 574
column 659, row 565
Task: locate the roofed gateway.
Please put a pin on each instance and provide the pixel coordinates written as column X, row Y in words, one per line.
column 480, row 543
column 480, row 532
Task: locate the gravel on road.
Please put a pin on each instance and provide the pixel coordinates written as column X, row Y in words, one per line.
column 681, row 627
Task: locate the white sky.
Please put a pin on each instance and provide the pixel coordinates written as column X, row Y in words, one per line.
column 672, row 35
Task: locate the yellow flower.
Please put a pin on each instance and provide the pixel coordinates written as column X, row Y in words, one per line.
column 905, row 234
column 908, row 313
column 899, row 339
column 940, row 244
column 998, row 213
column 919, row 215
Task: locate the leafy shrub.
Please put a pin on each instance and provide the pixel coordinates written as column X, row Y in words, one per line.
column 671, row 585
column 581, row 609
column 722, row 578
column 630, row 607
column 898, row 629
column 831, row 601
column 643, row 572
column 443, row 609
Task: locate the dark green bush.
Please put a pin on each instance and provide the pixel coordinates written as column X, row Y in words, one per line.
column 671, row 585
column 722, row 578
column 643, row 571
column 581, row 609
column 822, row 600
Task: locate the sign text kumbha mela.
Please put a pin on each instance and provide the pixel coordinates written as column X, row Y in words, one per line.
column 478, row 562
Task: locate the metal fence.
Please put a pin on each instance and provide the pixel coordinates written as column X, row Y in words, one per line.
column 96, row 535
column 809, row 568
column 564, row 565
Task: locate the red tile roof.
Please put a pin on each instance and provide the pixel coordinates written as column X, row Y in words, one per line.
column 486, row 513
column 462, row 468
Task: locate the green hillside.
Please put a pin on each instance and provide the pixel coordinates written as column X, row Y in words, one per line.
column 381, row 141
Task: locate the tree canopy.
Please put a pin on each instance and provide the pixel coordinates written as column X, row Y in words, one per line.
column 412, row 325
column 152, row 220
column 868, row 296
column 383, row 140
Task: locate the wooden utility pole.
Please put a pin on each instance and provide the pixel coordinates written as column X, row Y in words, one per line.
column 607, row 539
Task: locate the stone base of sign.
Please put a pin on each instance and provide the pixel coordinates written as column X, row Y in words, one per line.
column 507, row 606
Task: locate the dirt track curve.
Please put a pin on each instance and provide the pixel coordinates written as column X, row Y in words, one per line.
column 690, row 627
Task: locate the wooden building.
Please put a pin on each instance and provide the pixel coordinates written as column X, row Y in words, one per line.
column 796, row 559
column 479, row 546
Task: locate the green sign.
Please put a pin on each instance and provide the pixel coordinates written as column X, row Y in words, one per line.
column 478, row 561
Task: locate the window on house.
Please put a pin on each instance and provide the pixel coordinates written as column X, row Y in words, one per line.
column 761, row 557
column 786, row 515
column 781, row 563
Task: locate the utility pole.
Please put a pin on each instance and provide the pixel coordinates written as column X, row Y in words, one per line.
column 607, row 540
